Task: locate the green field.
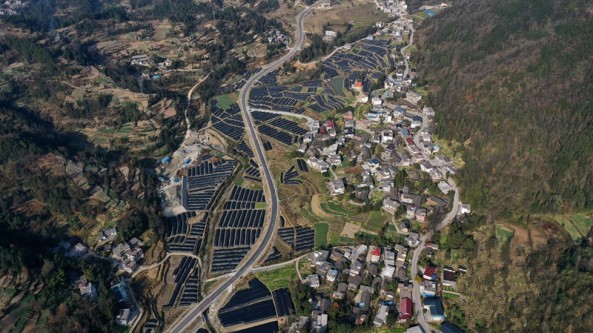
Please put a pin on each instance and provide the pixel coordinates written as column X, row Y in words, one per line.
column 278, row 278
column 321, row 230
column 337, row 85
column 260, row 205
column 336, row 210
column 309, row 216
column 225, row 101
column 376, row 221
column 503, row 234
column 577, row 225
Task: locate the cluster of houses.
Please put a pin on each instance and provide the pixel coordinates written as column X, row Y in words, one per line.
column 125, row 256
column 376, row 281
column 373, row 278
column 128, row 255
column 276, row 37
column 143, row 60
column 11, row 7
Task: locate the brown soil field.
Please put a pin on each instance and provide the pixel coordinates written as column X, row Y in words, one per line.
column 316, row 207
column 350, row 230
column 357, row 13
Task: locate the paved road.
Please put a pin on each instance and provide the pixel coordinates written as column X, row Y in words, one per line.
column 416, row 297
column 194, row 312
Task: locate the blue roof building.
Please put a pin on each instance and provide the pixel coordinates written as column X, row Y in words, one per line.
column 436, row 312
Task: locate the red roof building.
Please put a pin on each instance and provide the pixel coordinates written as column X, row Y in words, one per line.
column 410, row 142
column 430, row 273
column 405, row 308
column 329, row 124
column 376, row 254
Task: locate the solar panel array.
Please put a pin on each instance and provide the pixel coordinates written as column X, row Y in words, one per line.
column 274, row 255
column 298, row 238
column 289, row 176
column 238, row 228
column 229, row 121
column 203, row 183
column 244, row 148
column 248, row 305
column 320, row 95
column 186, row 278
column 252, row 172
column 182, row 237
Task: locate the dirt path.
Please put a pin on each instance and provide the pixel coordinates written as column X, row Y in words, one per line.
column 316, row 207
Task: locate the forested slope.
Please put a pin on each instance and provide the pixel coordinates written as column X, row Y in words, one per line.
column 512, row 80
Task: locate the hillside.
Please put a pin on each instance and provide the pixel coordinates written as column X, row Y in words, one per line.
column 525, row 276
column 511, row 80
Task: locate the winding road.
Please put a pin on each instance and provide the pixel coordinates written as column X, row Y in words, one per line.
column 195, row 312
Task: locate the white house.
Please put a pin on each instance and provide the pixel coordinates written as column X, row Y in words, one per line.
column 336, row 187
column 464, row 209
column 376, row 101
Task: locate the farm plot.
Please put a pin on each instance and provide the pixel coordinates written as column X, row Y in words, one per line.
column 227, row 121
column 186, row 280
column 298, row 238
column 203, row 182
column 182, row 237
column 248, row 306
column 238, row 228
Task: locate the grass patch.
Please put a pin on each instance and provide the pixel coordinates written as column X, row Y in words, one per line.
column 577, row 225
column 346, row 240
column 340, row 209
column 338, row 213
column 375, row 221
column 447, row 295
column 278, row 278
column 225, row 101
column 20, row 325
column 321, row 230
column 260, row 205
column 337, row 85
column 390, row 330
column 503, row 234
column 10, row 292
